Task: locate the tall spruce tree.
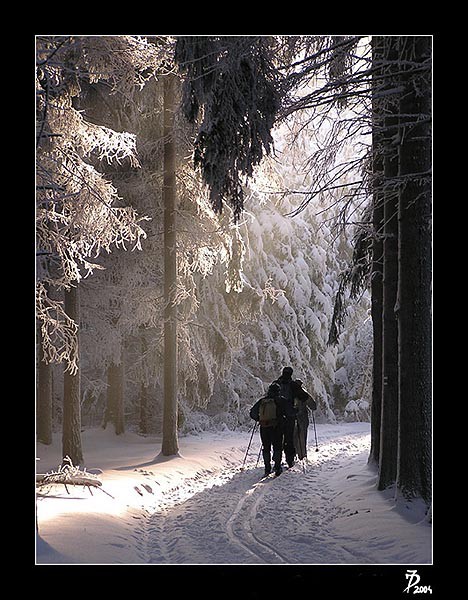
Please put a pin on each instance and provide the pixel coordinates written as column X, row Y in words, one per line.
column 170, row 444
column 377, row 251
column 414, row 270
column 389, row 394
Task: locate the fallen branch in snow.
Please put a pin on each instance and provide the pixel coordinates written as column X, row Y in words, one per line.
column 56, row 477
column 67, row 474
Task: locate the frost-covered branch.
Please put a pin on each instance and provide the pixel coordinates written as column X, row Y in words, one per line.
column 79, row 211
column 68, row 474
column 58, row 331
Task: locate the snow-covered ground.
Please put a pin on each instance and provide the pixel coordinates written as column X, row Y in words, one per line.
column 202, row 508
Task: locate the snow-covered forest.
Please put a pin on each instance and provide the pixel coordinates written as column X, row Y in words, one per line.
column 209, row 211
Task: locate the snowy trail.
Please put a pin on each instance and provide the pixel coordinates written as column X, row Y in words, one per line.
column 241, row 519
column 240, row 527
column 202, row 508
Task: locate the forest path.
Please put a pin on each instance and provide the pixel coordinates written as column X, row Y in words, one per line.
column 233, row 516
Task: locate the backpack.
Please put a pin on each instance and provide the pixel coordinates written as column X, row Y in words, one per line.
column 287, row 393
column 286, row 390
column 267, row 412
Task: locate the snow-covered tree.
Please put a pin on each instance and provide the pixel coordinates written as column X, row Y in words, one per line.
column 231, row 87
column 78, row 215
column 78, row 212
column 124, row 302
column 290, row 270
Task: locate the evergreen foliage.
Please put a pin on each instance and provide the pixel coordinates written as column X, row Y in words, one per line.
column 231, row 85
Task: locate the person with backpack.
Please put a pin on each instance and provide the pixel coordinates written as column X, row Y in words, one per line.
column 292, row 393
column 286, row 384
column 269, row 412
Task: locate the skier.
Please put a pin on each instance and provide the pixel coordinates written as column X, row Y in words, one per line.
column 269, row 411
column 291, row 392
column 287, row 389
column 302, row 401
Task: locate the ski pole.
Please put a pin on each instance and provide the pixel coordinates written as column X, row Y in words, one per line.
column 258, row 457
column 316, row 445
column 248, row 447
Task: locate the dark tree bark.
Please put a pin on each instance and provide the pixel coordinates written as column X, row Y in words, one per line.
column 170, row 444
column 389, row 397
column 389, row 408
column 71, row 426
column 376, row 311
column 377, row 254
column 415, row 267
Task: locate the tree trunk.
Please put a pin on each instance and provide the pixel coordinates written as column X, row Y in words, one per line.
column 414, row 317
column 376, row 311
column 389, row 398
column 389, row 408
column 44, row 399
column 170, row 444
column 71, row 425
column 143, row 425
column 115, row 411
column 377, row 254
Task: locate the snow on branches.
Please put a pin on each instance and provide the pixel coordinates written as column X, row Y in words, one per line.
column 123, row 61
column 58, row 331
column 230, row 85
column 79, row 212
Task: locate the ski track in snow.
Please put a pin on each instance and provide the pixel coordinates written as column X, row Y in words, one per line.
column 231, row 516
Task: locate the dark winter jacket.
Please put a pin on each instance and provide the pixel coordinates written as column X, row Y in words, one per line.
column 289, row 391
column 295, row 396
